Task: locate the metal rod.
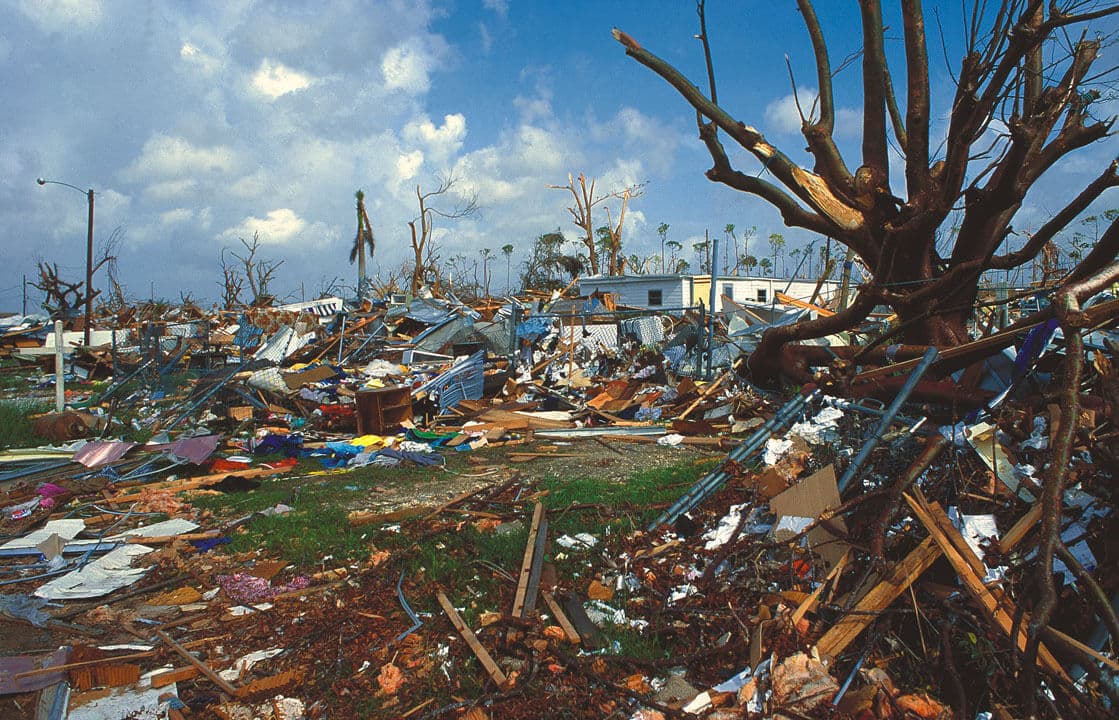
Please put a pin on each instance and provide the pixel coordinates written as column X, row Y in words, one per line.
column 59, row 370
column 710, row 482
column 714, row 264
column 857, row 463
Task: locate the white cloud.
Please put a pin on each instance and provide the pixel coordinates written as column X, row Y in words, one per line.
column 165, row 156
column 63, row 15
column 501, row 7
column 485, row 38
column 176, row 216
column 405, row 67
column 441, row 141
column 408, row 164
column 274, row 79
column 279, row 227
column 534, row 108
column 250, row 186
column 170, row 189
column 782, row 116
column 206, row 63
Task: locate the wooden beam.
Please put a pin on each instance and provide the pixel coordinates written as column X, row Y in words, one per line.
column 519, row 599
column 880, row 597
column 202, row 667
column 472, row 640
column 1001, row 609
column 561, row 618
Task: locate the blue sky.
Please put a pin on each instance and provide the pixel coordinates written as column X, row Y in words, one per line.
column 197, row 123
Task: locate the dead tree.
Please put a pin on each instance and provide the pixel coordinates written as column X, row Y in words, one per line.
column 1025, row 89
column 426, row 259
column 63, row 298
column 231, row 284
column 257, row 272
column 582, row 214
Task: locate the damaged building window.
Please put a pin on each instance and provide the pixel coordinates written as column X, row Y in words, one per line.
column 728, row 290
column 656, row 298
column 761, row 295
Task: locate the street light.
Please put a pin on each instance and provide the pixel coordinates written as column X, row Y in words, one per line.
column 88, row 254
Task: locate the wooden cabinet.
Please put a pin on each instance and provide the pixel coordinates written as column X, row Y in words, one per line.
column 380, row 411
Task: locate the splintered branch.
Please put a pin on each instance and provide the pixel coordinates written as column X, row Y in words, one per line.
column 809, row 187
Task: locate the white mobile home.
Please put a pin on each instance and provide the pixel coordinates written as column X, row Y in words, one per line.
column 676, row 291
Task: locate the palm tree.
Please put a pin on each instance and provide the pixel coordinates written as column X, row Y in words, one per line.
column 766, row 266
column 728, row 233
column 507, row 250
column 776, row 243
column 362, row 239
column 662, row 230
column 795, row 252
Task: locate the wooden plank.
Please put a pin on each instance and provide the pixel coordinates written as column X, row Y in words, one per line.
column 790, row 300
column 561, row 617
column 809, row 603
column 880, row 597
column 1019, row 530
column 1000, row 610
column 182, row 674
column 202, row 667
column 526, row 562
column 537, row 568
column 471, row 639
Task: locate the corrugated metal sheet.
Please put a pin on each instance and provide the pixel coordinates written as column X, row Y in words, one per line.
column 282, row 344
column 464, row 381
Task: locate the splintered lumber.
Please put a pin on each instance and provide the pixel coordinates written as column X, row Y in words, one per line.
column 202, row 667
column 1019, row 530
column 1000, row 609
column 561, row 618
column 809, row 603
column 880, row 597
column 472, row 640
column 182, row 674
column 711, row 387
column 519, row 599
column 537, row 568
column 197, row 482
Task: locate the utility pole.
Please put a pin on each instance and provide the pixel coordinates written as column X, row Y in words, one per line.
column 89, row 271
column 24, row 294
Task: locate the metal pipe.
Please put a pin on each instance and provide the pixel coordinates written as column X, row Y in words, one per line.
column 89, row 270
column 710, row 482
column 857, row 463
column 59, row 370
column 714, row 264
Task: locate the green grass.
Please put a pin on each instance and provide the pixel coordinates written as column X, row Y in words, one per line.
column 626, row 505
column 16, row 426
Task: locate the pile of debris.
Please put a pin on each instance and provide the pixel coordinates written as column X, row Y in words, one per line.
column 942, row 551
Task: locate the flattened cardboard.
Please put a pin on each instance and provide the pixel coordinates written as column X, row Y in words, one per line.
column 808, row 498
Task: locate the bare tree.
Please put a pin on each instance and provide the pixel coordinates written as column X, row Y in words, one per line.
column 63, row 298
column 1024, row 98
column 582, row 214
column 425, row 257
column 231, row 284
column 255, row 271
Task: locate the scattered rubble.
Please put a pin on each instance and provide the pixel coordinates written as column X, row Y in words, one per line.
column 945, row 550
